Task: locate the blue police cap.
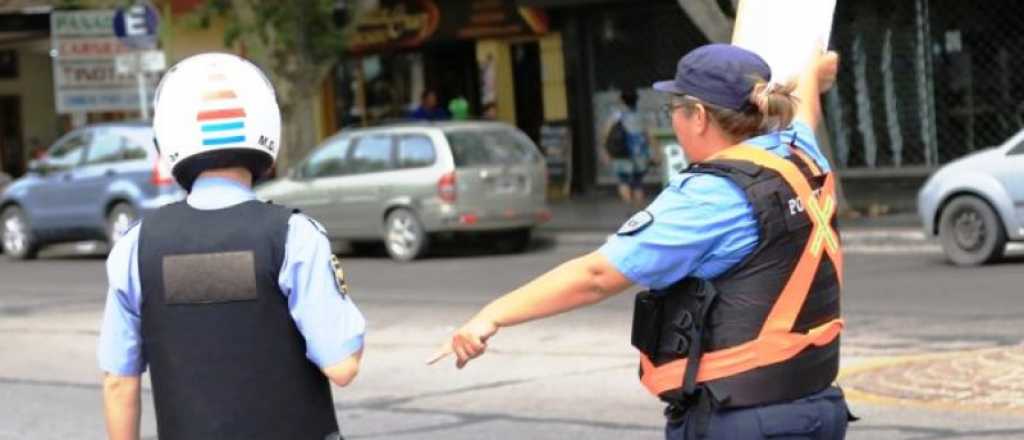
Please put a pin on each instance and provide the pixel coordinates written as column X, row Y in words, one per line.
column 720, row 74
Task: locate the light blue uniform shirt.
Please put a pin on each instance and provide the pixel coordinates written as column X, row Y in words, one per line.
column 330, row 323
column 702, row 224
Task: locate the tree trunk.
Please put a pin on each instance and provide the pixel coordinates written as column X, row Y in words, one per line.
column 298, row 130
column 709, row 17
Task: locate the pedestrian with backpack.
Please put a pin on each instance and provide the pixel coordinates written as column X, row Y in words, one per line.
column 627, row 148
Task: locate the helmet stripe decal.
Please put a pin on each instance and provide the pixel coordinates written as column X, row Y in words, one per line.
column 237, row 125
column 223, row 140
column 227, row 113
column 222, row 121
column 219, row 94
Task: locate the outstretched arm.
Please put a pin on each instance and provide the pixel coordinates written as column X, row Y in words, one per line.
column 583, row 281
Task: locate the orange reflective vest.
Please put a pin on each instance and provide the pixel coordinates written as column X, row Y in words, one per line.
column 798, row 258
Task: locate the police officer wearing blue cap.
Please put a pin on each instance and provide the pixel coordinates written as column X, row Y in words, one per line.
column 739, row 332
column 236, row 306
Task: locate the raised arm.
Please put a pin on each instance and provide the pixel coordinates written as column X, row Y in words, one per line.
column 818, row 78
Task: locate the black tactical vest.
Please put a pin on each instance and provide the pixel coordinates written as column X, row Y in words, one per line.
column 695, row 317
column 226, row 360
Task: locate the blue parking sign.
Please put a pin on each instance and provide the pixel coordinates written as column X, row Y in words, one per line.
column 137, row 26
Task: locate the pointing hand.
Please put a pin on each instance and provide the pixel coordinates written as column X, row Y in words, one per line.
column 466, row 343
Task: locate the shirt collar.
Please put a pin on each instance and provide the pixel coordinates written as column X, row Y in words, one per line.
column 218, row 193
column 770, row 141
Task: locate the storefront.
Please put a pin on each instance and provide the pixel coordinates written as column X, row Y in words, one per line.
column 27, row 122
column 486, row 52
column 611, row 46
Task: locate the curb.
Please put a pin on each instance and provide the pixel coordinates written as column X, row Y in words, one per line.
column 860, row 240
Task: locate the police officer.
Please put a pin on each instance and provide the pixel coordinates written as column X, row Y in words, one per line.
column 237, row 306
column 739, row 334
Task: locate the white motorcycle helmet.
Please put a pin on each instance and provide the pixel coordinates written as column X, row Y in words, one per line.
column 216, row 110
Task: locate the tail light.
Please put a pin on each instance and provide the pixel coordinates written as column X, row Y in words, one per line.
column 468, row 219
column 446, row 188
column 161, row 176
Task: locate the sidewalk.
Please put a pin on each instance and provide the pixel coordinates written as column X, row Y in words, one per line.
column 589, row 219
column 605, row 213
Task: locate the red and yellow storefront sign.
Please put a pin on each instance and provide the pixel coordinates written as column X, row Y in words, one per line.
column 398, row 24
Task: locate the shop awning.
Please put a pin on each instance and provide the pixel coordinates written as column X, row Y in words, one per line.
column 25, row 6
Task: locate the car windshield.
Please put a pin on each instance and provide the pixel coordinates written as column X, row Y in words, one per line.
column 490, row 147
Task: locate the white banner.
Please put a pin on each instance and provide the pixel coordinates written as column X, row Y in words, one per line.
column 784, row 32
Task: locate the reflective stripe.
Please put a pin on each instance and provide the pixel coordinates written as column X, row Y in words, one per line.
column 776, row 341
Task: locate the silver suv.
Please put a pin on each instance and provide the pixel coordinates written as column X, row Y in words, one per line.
column 406, row 184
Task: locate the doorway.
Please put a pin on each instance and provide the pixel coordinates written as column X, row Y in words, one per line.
column 12, row 155
column 450, row 70
column 528, row 88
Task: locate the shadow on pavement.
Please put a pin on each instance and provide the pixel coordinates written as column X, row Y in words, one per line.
column 450, row 249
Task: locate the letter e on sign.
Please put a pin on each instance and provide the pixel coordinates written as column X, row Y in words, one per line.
column 135, row 21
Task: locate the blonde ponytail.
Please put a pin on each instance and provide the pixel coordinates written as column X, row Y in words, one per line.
column 773, row 107
column 776, row 104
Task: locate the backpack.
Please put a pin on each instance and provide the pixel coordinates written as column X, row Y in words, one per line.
column 616, row 144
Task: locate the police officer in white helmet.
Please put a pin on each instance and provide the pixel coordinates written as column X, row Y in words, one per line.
column 237, row 307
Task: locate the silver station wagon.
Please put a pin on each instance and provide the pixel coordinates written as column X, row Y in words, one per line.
column 409, row 184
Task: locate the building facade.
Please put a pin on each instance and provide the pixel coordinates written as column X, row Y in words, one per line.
column 922, row 82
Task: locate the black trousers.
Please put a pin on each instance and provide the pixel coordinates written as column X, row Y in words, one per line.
column 820, row 416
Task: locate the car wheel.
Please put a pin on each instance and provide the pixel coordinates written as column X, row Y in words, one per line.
column 515, row 241
column 18, row 240
column 971, row 232
column 404, row 236
column 120, row 219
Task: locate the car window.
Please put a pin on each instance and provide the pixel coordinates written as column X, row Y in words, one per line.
column 132, row 149
column 327, row 161
column 106, row 148
column 1019, row 149
column 415, row 151
column 490, row 147
column 68, row 153
column 370, row 154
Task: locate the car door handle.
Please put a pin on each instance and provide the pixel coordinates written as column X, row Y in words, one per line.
column 65, row 177
column 109, row 173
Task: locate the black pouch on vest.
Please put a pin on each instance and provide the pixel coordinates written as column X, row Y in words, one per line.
column 647, row 323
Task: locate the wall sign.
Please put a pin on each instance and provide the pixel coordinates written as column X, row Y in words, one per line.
column 398, row 24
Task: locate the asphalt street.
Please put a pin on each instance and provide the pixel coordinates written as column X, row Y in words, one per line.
column 573, row 376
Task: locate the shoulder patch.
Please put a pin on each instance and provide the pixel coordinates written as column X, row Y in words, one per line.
column 636, row 223
column 339, row 276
